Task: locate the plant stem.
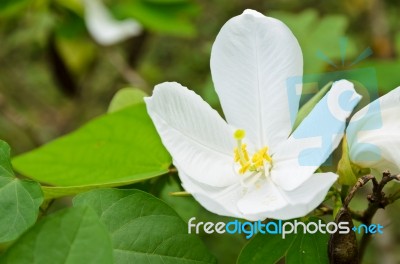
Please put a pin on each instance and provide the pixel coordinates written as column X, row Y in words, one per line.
column 360, row 183
column 344, row 191
column 376, row 200
column 323, row 210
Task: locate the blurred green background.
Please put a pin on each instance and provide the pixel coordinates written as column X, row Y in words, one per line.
column 54, row 77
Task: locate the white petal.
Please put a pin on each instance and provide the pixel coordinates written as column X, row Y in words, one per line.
column 104, row 28
column 373, row 134
column 312, row 192
column 270, row 201
column 263, row 202
column 195, row 135
column 218, row 200
column 253, row 12
column 252, row 59
column 315, row 138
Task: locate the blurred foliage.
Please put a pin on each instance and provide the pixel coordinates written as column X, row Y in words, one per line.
column 54, row 77
column 165, row 16
column 311, row 32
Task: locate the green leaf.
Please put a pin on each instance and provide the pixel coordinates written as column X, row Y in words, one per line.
column 345, row 170
column 73, row 5
column 386, row 73
column 308, row 248
column 265, row 249
column 12, row 7
column 144, row 229
column 19, row 199
column 397, row 43
column 187, row 207
column 126, row 97
column 71, row 26
column 349, row 172
column 296, row 248
column 73, row 235
column 5, row 164
column 166, row 1
column 209, row 94
column 308, row 107
column 168, row 17
column 78, row 53
column 113, row 150
column 225, row 247
column 337, row 202
column 73, row 43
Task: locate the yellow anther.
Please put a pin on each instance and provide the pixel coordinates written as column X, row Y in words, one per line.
column 242, row 156
column 245, row 153
column 239, row 134
column 244, row 168
column 257, row 160
column 267, row 157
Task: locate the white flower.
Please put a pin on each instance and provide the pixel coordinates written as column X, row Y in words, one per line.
column 105, row 29
column 373, row 134
column 252, row 167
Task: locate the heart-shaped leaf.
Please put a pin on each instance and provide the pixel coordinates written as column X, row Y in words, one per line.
column 70, row 236
column 126, row 97
column 144, row 229
column 115, row 149
column 296, row 248
column 19, row 199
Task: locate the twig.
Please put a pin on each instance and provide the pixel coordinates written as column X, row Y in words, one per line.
column 376, row 200
column 126, row 71
column 180, row 194
column 172, row 170
column 323, row 210
column 382, row 41
column 360, row 183
column 19, row 121
column 44, row 207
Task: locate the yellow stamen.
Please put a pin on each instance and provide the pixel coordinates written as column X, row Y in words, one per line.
column 242, row 156
column 243, row 152
column 259, row 157
column 244, row 168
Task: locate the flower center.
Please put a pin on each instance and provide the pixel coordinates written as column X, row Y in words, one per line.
column 258, row 165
